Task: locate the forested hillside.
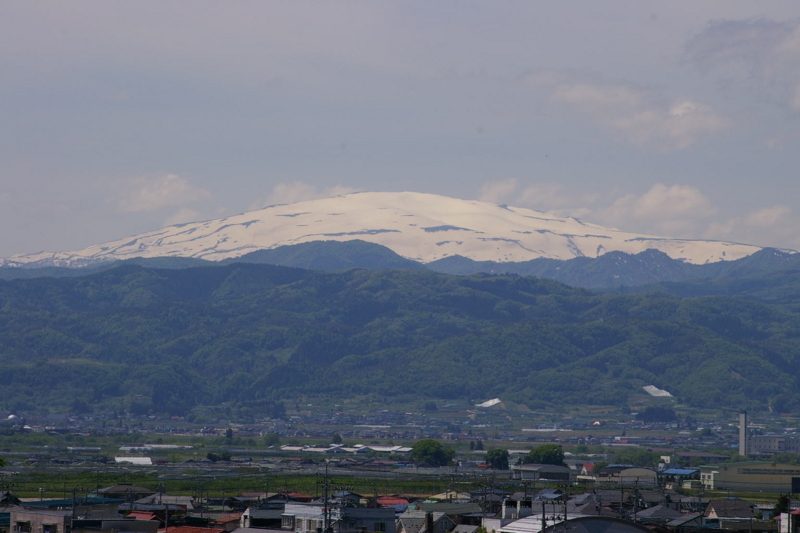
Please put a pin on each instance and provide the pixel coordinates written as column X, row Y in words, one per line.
column 167, row 340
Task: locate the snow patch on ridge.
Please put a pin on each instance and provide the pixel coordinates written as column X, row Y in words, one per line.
column 485, row 232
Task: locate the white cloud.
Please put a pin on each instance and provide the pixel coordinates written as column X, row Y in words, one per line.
column 794, row 103
column 557, row 199
column 497, row 191
column 637, row 117
column 768, row 217
column 298, row 191
column 676, row 210
column 760, row 55
column 768, row 226
column 146, row 193
column 551, row 197
column 181, row 216
column 665, row 210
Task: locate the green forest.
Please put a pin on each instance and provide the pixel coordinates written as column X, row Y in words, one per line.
column 166, row 340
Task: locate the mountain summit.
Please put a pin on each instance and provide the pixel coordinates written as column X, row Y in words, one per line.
column 421, row 227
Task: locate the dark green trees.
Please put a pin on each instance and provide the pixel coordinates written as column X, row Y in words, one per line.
column 546, row 454
column 431, row 452
column 497, row 459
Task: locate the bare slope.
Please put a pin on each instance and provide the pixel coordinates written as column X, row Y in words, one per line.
column 421, row 227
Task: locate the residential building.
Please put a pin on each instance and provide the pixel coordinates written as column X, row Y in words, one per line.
column 542, row 472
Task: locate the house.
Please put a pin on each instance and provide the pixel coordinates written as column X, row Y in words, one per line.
column 691, row 520
column 728, row 509
column 394, row 502
column 346, row 498
column 6, row 498
column 541, row 472
column 40, row 521
column 424, row 522
column 658, row 514
column 89, row 506
column 228, row 522
column 588, row 524
column 125, row 491
column 186, row 502
column 269, row 517
column 303, row 518
column 628, row 475
column 115, row 525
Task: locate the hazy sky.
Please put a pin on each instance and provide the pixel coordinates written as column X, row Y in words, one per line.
column 679, row 118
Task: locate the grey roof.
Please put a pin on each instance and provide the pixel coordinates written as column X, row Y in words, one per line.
column 586, row 508
column 580, row 499
column 650, row 496
column 659, row 511
column 685, row 519
column 451, row 509
column 414, row 521
column 160, row 499
column 464, row 528
column 611, row 495
column 593, row 524
column 730, row 508
column 264, row 514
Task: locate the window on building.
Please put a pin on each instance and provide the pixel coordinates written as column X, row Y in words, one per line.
column 380, row 526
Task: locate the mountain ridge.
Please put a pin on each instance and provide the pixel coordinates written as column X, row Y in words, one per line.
column 646, row 269
column 421, row 227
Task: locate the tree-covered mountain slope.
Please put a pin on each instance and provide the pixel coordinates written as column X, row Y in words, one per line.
column 613, row 269
column 167, row 340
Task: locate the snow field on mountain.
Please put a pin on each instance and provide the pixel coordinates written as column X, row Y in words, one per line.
column 422, row 227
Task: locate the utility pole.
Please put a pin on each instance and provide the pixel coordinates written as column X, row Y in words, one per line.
column 544, row 519
column 326, row 516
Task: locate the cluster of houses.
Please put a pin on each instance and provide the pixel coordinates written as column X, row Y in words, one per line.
column 626, row 508
column 340, row 449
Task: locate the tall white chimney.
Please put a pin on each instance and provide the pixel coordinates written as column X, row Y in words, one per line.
column 743, row 433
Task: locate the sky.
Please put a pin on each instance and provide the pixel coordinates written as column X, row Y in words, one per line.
column 676, row 118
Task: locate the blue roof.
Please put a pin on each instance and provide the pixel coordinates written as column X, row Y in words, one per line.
column 680, row 471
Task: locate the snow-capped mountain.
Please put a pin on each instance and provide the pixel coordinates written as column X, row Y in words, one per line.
column 422, row 227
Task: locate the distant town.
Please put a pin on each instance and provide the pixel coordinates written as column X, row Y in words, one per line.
column 444, row 468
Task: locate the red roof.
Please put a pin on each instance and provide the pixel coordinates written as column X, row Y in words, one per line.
column 387, row 501
column 589, row 467
column 299, row 496
column 233, row 517
column 142, row 515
